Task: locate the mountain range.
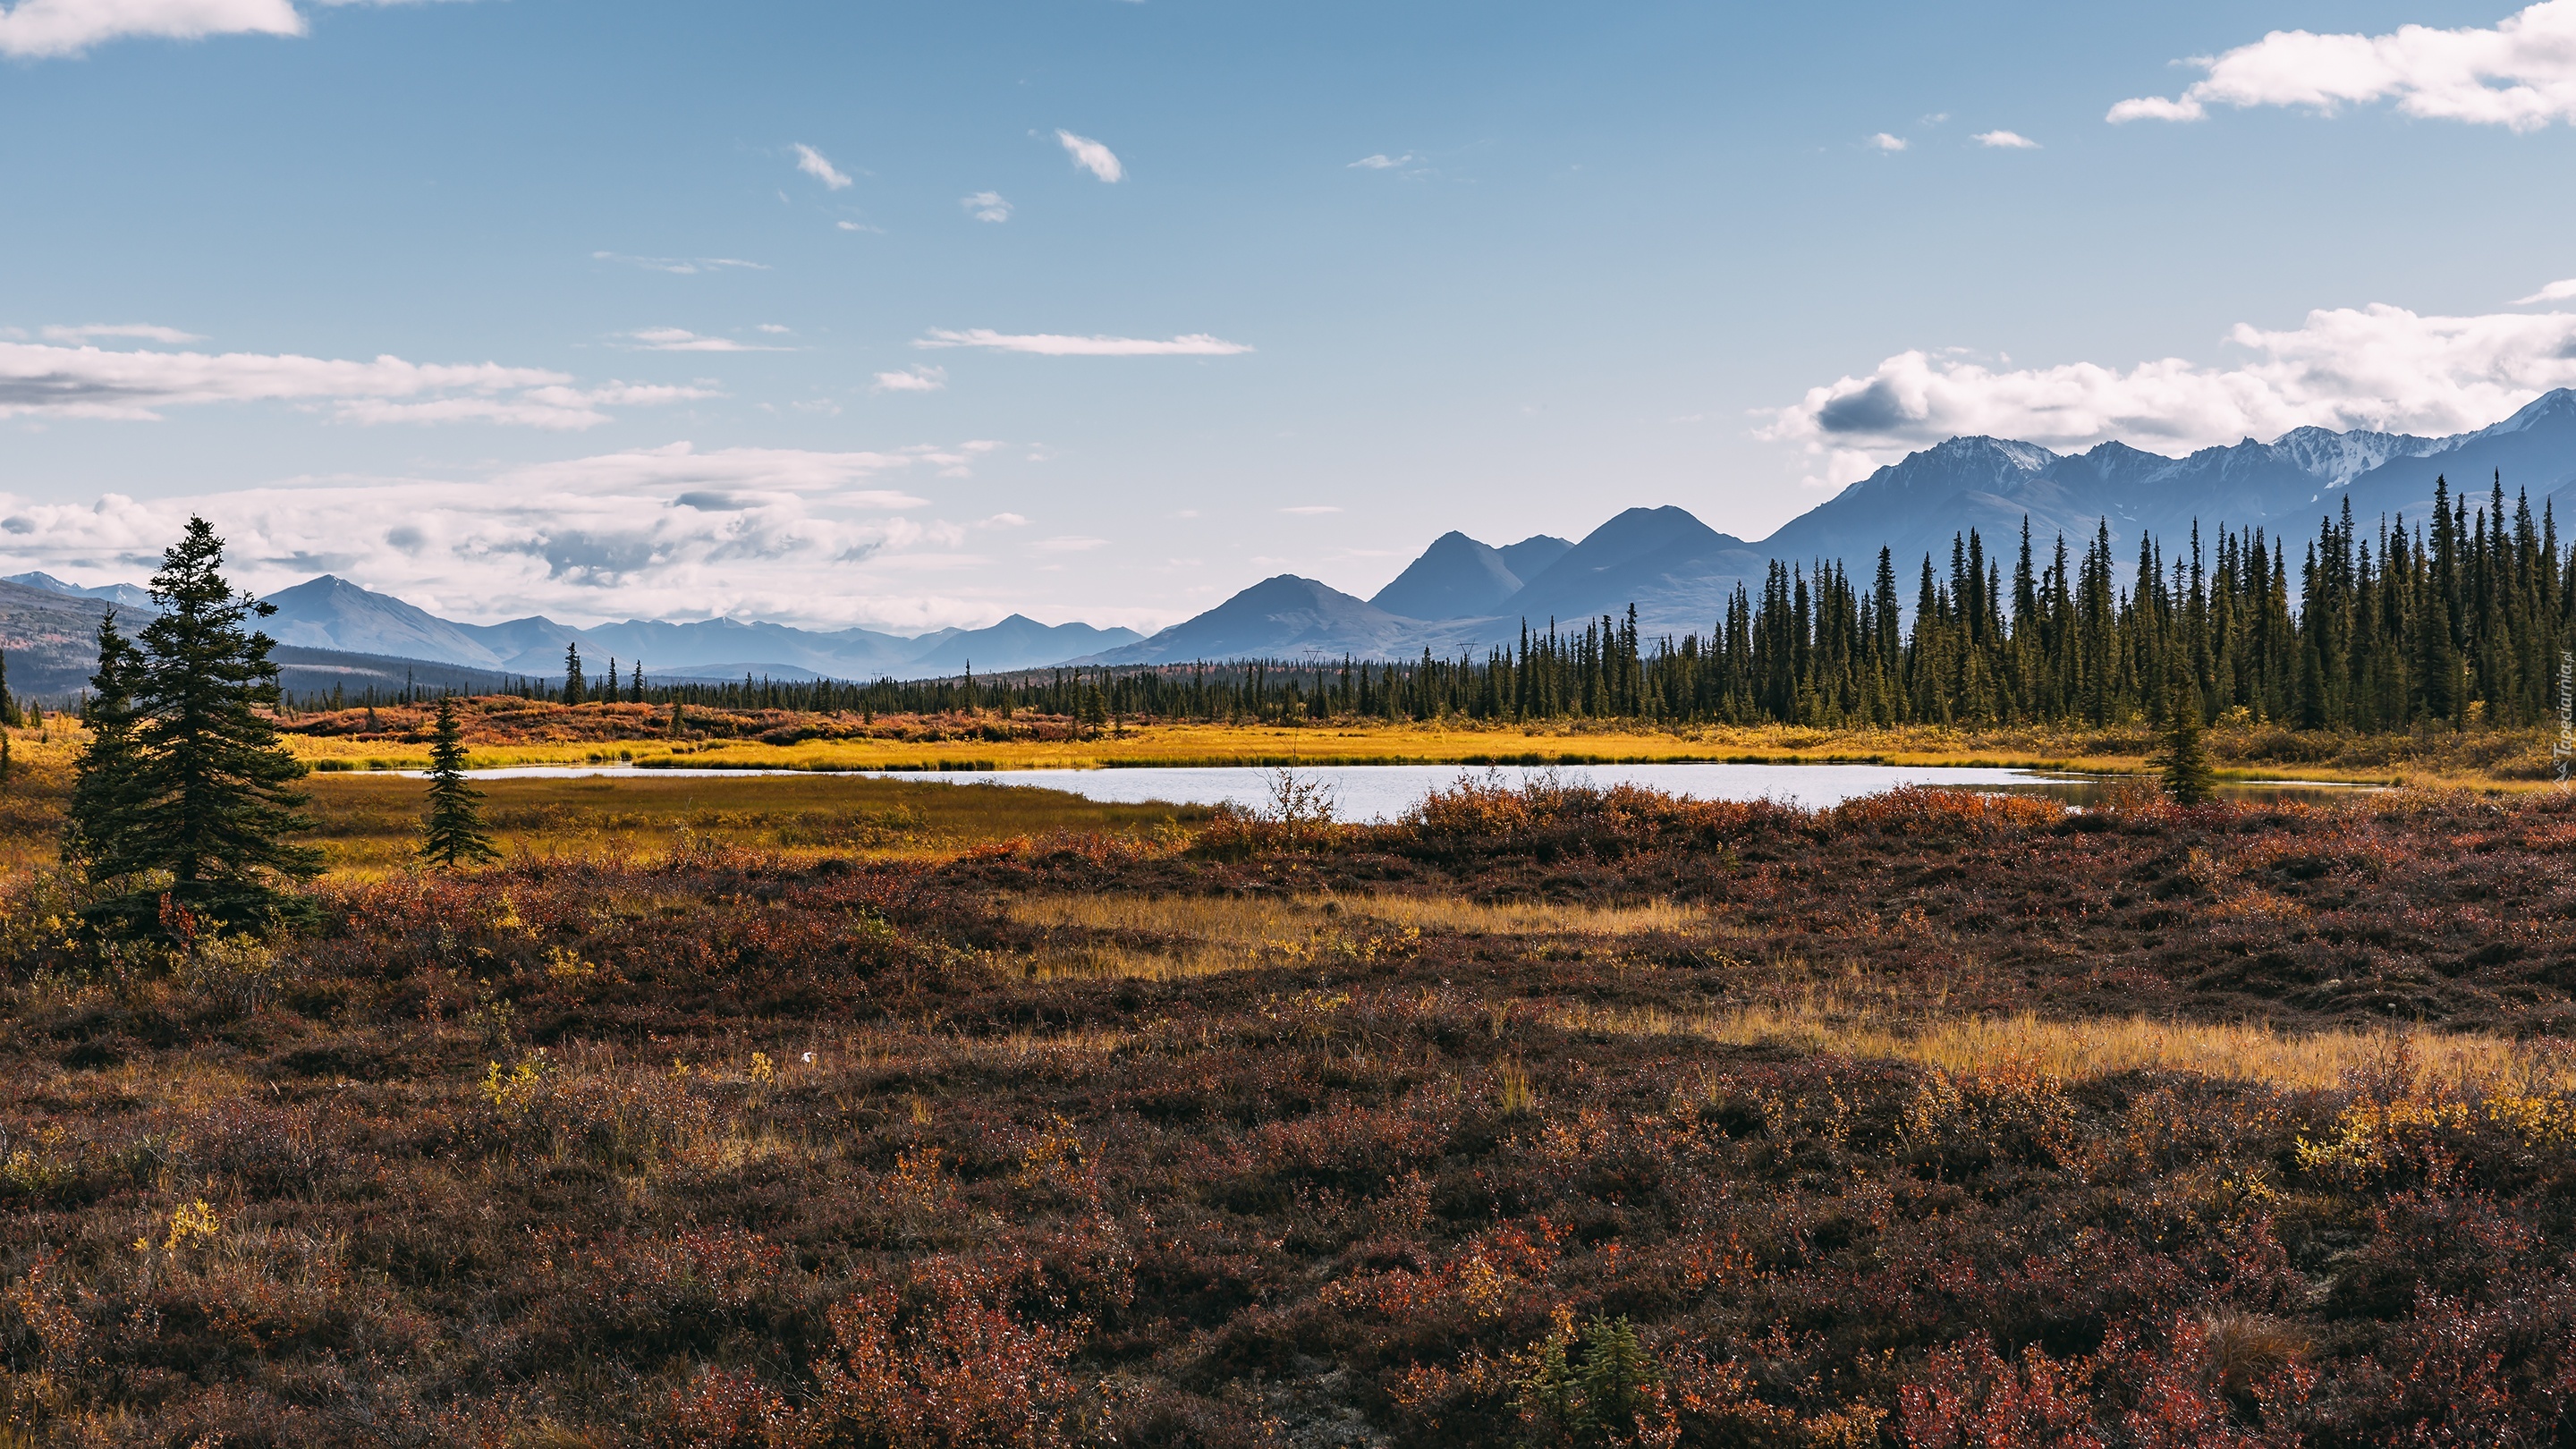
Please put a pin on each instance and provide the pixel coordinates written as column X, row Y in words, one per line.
column 1460, row 594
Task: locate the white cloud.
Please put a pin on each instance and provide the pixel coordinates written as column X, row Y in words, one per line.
column 1091, row 156
column 987, row 206
column 2520, row 74
column 2554, row 292
column 1070, row 543
column 824, row 538
column 682, row 266
column 859, row 226
column 39, row 28
column 2377, row 367
column 1886, row 142
column 680, row 339
column 911, row 379
column 1312, row 508
column 139, row 331
column 1004, row 520
column 2005, row 140
column 91, row 382
column 34, row 29
column 773, row 329
column 815, row 164
column 1380, row 162
column 1050, row 344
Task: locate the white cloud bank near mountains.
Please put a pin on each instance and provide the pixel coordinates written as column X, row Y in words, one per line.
column 2521, row 73
column 2372, row 367
column 45, row 380
column 818, row 538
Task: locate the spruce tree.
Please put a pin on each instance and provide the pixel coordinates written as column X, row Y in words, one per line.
column 2188, row 777
column 573, row 689
column 107, row 786
column 213, row 798
column 9, row 717
column 452, row 833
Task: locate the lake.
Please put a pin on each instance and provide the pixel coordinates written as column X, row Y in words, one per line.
column 1382, row 792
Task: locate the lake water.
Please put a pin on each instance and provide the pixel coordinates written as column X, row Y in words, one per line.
column 1382, row 792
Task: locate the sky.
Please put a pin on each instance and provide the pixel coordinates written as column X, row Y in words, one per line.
column 917, row 315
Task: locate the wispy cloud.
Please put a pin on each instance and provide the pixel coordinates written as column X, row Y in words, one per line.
column 682, row 266
column 985, row 205
column 139, row 331
column 1885, row 142
column 2521, row 74
column 911, row 379
column 1069, row 543
column 2005, row 140
column 1312, row 508
column 1091, row 156
column 1052, row 344
column 1380, row 162
column 2554, row 292
column 92, row 382
column 680, row 339
column 2377, row 367
column 815, row 164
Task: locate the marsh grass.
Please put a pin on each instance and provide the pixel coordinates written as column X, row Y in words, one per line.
column 522, row 732
column 2095, row 1047
column 370, row 824
column 1168, row 938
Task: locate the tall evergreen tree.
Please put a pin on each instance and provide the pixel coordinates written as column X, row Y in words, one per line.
column 214, row 800
column 452, row 832
column 574, row 687
column 9, row 716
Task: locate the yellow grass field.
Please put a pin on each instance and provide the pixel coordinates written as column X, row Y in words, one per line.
column 2504, row 759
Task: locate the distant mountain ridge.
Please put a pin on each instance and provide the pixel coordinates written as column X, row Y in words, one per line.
column 333, row 613
column 1463, row 594
column 1678, row 572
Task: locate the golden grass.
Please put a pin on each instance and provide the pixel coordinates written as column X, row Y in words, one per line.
column 1209, row 935
column 2095, row 1047
column 370, row 824
column 2494, row 758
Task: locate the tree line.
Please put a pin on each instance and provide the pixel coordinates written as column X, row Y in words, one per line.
column 2459, row 619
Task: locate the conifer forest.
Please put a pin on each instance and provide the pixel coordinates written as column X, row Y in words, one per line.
column 2453, row 620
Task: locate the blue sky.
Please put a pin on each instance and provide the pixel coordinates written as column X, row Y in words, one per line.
column 797, row 311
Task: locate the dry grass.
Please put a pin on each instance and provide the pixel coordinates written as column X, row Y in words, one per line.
column 1176, row 937
column 2505, row 758
column 2103, row 1046
column 371, row 823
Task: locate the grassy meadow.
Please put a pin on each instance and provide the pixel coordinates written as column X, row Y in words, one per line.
column 507, row 731
column 800, row 1110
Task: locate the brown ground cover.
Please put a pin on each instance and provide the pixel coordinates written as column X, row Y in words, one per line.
column 1552, row 1118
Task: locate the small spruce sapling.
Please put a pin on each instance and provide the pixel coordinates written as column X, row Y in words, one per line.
column 2189, row 780
column 452, row 833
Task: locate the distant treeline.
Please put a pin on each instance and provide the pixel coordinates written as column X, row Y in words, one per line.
column 2457, row 620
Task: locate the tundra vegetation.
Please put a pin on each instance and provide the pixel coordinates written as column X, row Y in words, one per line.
column 1545, row 1116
